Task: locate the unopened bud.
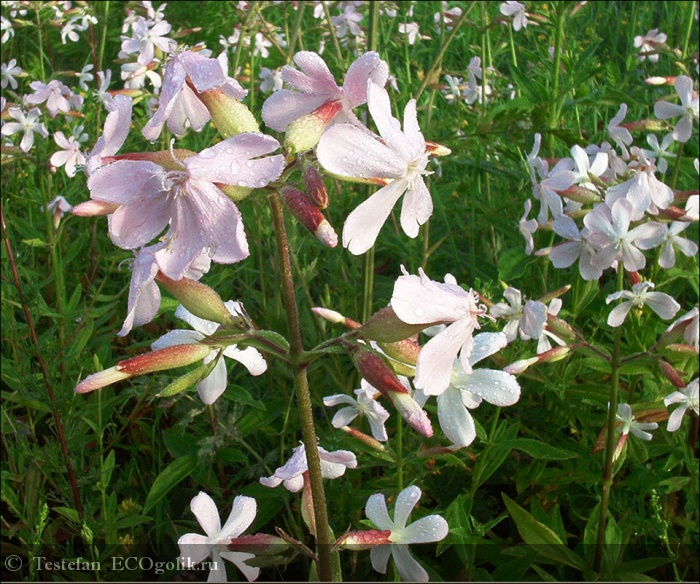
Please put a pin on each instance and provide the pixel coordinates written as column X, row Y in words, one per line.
column 229, row 115
column 330, row 315
column 561, row 328
column 660, row 80
column 305, row 132
column 437, row 149
column 580, row 195
column 555, row 294
column 554, row 354
column 315, row 186
column 405, row 352
column 168, row 358
column 309, row 216
column 200, row 300
column 412, row 413
column 519, row 366
column 670, row 373
column 377, row 372
column 234, row 192
column 364, row 540
column 260, row 544
column 307, row 505
column 649, row 125
column 94, row 208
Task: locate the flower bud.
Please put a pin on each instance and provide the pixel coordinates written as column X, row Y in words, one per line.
column 555, row 294
column 519, row 366
column 260, row 544
column 412, row 413
column 305, row 132
column 200, row 300
column 385, row 326
column 437, row 149
column 364, row 540
column 660, row 80
column 309, row 216
column 229, row 115
column 364, row 438
column 234, row 192
column 648, row 125
column 670, row 373
column 375, row 370
column 405, row 352
column 93, row 208
column 580, row 195
column 554, row 354
column 168, row 358
column 333, row 316
column 315, row 186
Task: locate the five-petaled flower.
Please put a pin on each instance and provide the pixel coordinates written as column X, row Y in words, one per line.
column 195, row 548
column 366, row 404
column 398, row 161
column 688, row 398
column 662, row 304
column 628, row 424
column 688, row 109
column 426, row 530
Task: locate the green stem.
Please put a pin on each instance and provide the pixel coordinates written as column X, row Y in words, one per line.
column 689, row 28
column 331, row 29
column 303, row 395
column 610, row 437
column 399, row 453
column 295, row 30
column 677, row 165
column 554, row 109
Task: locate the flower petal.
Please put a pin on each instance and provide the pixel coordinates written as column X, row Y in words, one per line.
column 434, row 365
column 408, row 567
column 455, row 420
column 405, row 503
column 242, row 515
column 204, row 509
column 496, row 387
column 426, row 530
column 377, row 513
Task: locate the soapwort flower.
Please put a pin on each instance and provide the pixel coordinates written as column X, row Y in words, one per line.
column 397, row 161
column 688, row 109
column 662, row 304
column 366, row 405
column 688, row 398
column 628, row 424
column 195, row 548
column 27, row 123
column 420, row 300
column 426, row 530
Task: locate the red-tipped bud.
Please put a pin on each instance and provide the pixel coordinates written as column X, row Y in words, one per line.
column 305, row 132
column 649, row 125
column 364, row 540
column 634, row 278
column 168, row 358
column 315, row 186
column 670, row 373
column 375, row 370
column 200, row 300
column 554, row 354
column 229, row 115
column 660, row 80
column 385, row 326
column 334, row 317
column 260, row 544
column 309, row 216
column 364, row 438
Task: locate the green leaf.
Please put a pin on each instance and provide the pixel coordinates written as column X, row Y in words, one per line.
column 242, row 396
column 271, row 337
column 537, row 449
column 107, row 468
column 70, row 514
column 543, row 539
column 175, row 472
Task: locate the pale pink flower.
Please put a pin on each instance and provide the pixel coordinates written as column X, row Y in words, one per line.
column 135, row 75
column 629, row 424
column 58, row 207
column 57, row 96
column 114, row 133
column 662, row 304
column 448, row 16
column 581, row 245
column 585, row 168
column 8, row 72
column 212, row 386
column 659, row 152
column 669, row 239
column 688, row 398
column 691, row 332
column 426, row 530
column 195, row 548
column 179, row 104
column 397, row 160
column 271, row 80
column 527, row 228
column 643, row 191
column 688, row 109
column 647, row 44
column 27, row 123
column 333, row 465
column 517, row 11
column 620, row 135
column 420, row 300
column 347, row 23
column 146, row 38
column 412, row 30
column 70, row 155
column 199, row 215
column 611, row 227
column 314, row 86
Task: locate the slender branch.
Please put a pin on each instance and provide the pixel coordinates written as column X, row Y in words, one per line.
column 301, row 385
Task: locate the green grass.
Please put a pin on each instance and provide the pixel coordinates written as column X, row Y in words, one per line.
column 62, row 310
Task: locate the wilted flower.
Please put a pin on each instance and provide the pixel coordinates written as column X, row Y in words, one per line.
column 397, row 160
column 333, row 465
column 688, row 398
column 366, row 404
column 195, row 548
column 662, row 304
column 211, row 387
column 426, row 530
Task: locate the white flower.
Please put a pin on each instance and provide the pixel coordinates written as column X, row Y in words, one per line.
column 70, row 155
column 527, row 228
column 691, row 331
column 9, row 71
column 58, row 97
column 333, row 465
column 84, row 77
column 647, row 44
column 26, row 123
column 58, row 206
column 659, row 152
column 467, row 390
column 6, row 28
column 517, row 11
column 426, row 530
column 631, row 425
column 662, row 304
column 669, row 238
column 272, row 80
column 397, row 160
column 688, row 398
column 411, row 29
column 420, row 300
column 578, row 246
column 365, row 405
column 195, row 548
column 688, row 109
column 214, row 384
column 621, row 135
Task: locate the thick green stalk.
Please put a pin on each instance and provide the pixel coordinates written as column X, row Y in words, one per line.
column 301, row 385
column 610, row 437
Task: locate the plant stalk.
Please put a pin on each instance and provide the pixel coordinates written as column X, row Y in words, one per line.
column 301, row 386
